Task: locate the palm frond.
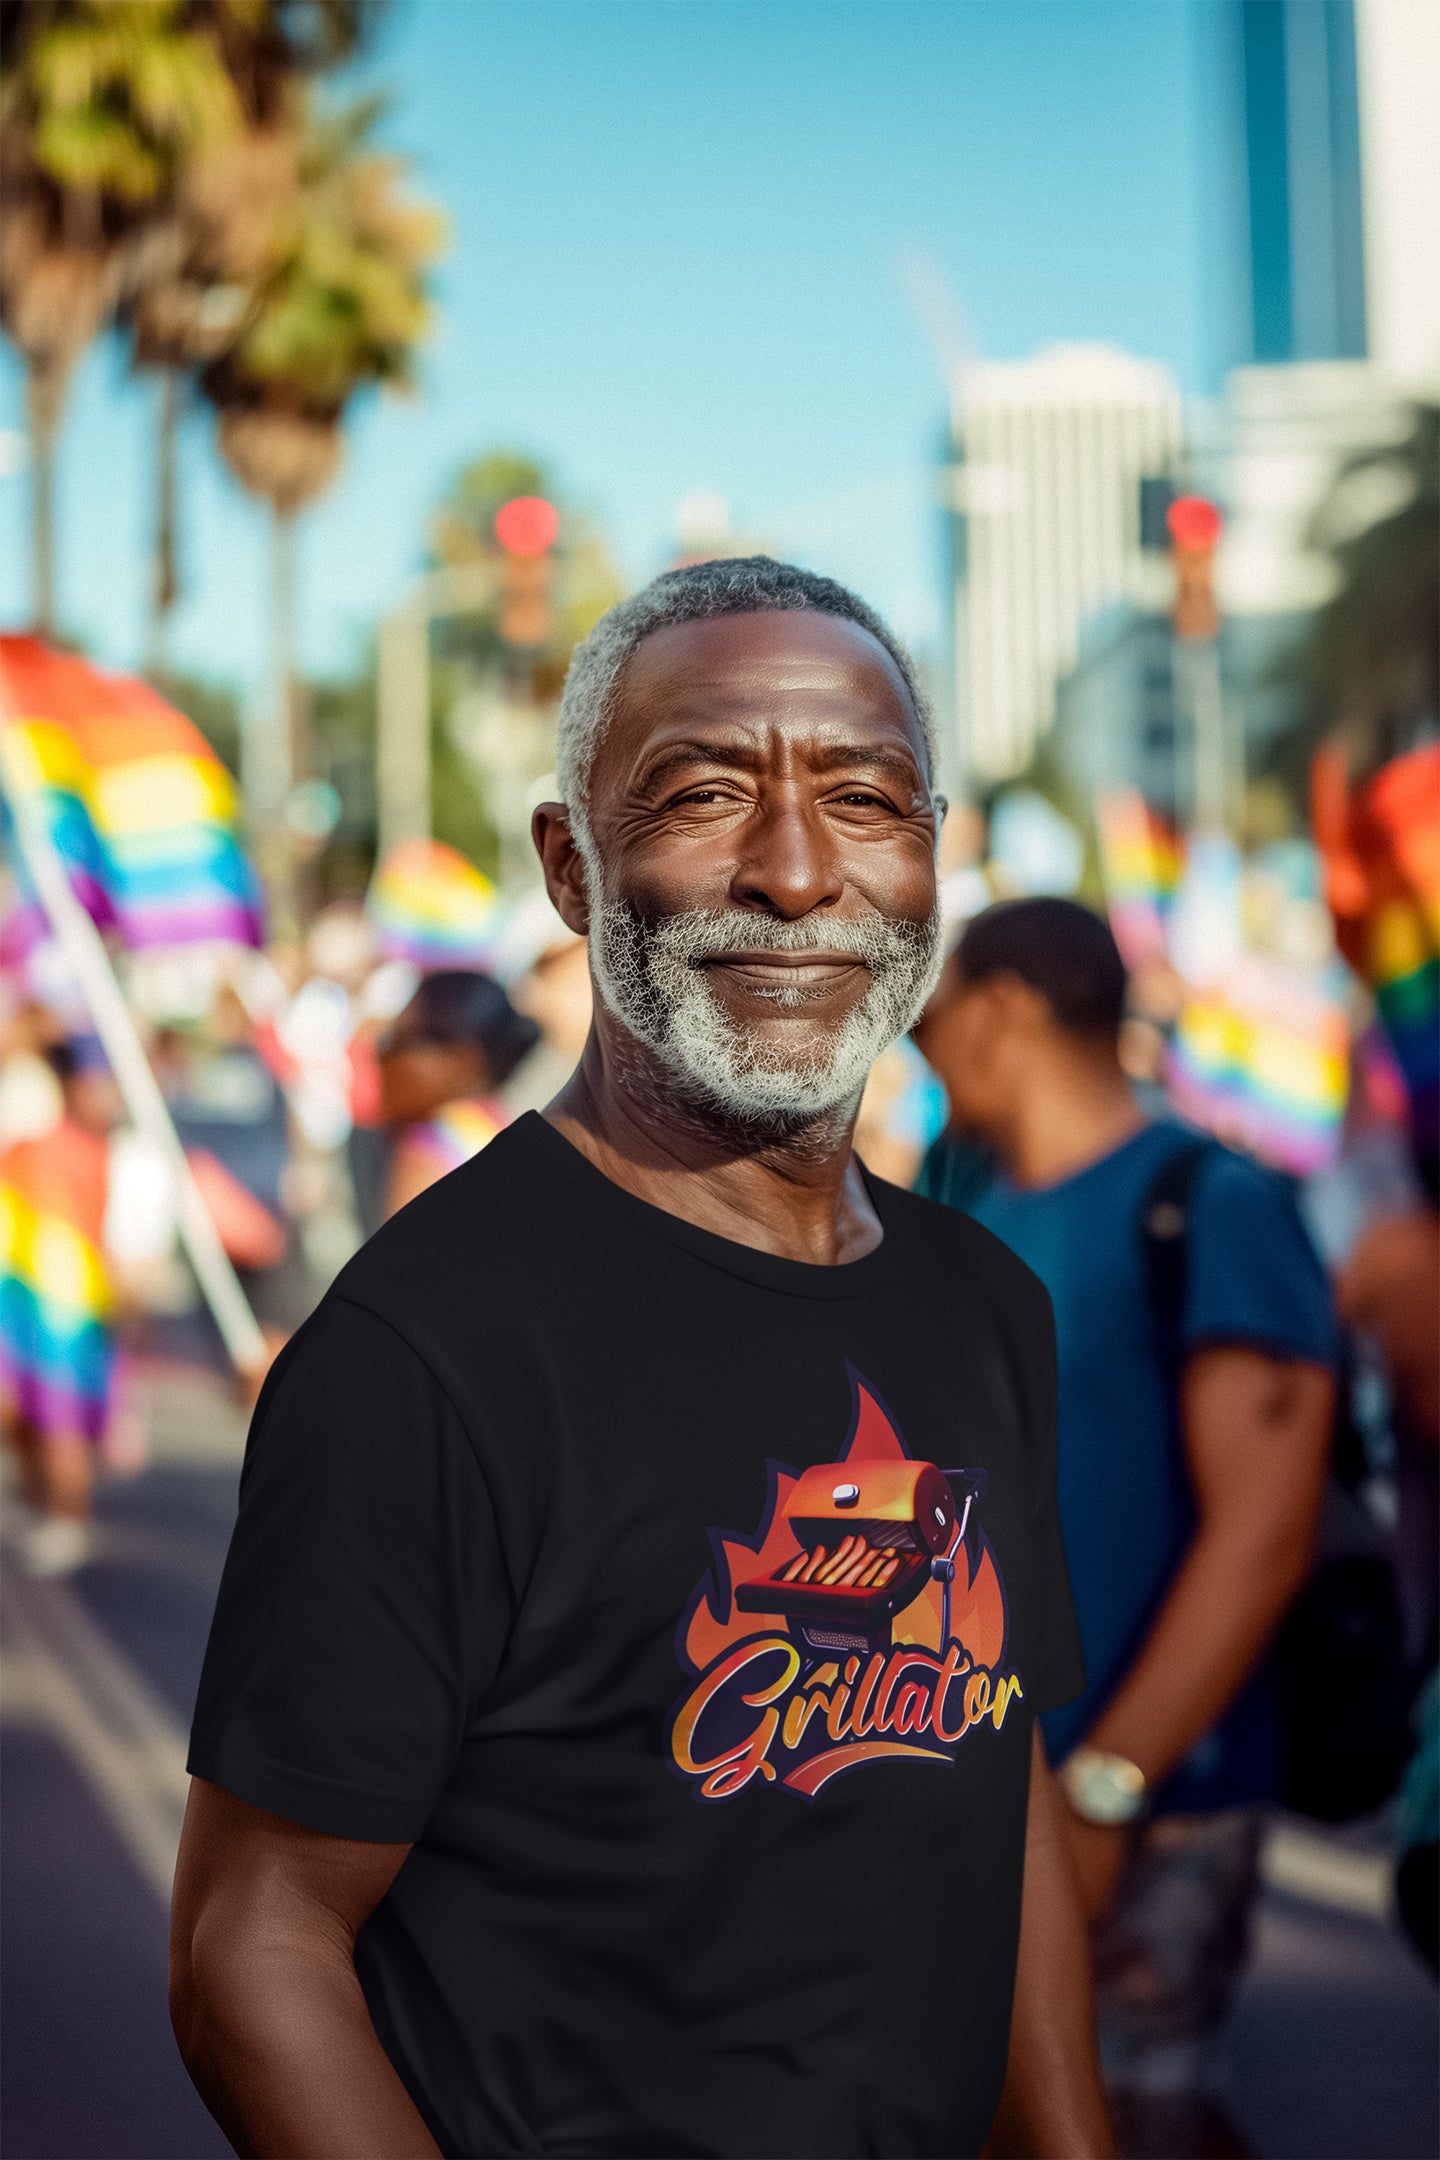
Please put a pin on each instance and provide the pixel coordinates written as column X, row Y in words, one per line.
column 342, row 303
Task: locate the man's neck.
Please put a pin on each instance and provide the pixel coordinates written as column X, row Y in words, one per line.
column 798, row 1194
column 1074, row 1109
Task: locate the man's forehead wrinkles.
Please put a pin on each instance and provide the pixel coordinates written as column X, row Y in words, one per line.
column 761, row 701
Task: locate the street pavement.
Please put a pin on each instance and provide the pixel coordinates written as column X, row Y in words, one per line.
column 1331, row 2055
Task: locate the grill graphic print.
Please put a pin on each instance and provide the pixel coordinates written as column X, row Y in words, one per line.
column 865, row 1622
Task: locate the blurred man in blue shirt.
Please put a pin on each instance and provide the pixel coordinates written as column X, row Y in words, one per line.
column 1195, row 1340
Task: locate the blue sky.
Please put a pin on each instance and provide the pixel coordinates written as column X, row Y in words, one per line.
column 676, row 235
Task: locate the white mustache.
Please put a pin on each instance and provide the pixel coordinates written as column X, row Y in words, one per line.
column 701, row 933
column 651, row 976
column 689, row 940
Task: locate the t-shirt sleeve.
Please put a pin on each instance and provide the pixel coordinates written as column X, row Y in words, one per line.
column 364, row 1605
column 1253, row 1276
column 1044, row 1638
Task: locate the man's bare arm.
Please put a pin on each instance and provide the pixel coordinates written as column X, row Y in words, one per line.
column 1053, row 2105
column 1257, row 1439
column 264, row 1997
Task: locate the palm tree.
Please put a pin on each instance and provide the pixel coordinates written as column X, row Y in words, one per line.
column 192, row 292
column 100, row 103
column 340, row 307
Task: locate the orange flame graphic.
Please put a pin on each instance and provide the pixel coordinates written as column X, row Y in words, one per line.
column 737, row 1562
column 977, row 1613
column 977, row 1617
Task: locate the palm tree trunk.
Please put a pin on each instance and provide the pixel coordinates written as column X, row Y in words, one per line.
column 44, row 413
column 281, row 852
column 282, row 600
column 167, row 573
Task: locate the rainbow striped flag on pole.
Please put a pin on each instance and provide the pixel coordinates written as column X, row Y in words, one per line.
column 1141, row 860
column 140, row 808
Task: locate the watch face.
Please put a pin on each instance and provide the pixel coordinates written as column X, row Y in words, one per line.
column 1105, row 1789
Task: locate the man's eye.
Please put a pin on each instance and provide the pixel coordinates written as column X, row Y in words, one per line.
column 858, row 799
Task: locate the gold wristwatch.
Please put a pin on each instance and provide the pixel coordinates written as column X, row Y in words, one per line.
column 1103, row 1789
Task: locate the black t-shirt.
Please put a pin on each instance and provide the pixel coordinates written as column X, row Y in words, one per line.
column 711, row 1855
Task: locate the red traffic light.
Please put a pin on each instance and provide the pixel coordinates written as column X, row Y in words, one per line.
column 1194, row 524
column 527, row 525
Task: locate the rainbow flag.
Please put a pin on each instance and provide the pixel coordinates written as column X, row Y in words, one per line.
column 138, row 804
column 56, row 1349
column 432, row 907
column 1262, row 1059
column 1382, row 879
column 1141, row 862
column 456, row 1132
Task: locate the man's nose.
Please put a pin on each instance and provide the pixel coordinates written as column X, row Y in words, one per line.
column 787, row 864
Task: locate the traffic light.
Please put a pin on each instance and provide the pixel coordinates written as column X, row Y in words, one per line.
column 1194, row 526
column 526, row 528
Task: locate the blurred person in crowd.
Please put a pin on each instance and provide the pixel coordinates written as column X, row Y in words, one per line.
column 384, row 994
column 57, row 1353
column 1417, row 1831
column 444, row 1883
column 1389, row 1290
column 554, row 991
column 441, row 1064
column 30, row 1101
column 225, row 1100
column 1192, row 1455
column 230, row 1115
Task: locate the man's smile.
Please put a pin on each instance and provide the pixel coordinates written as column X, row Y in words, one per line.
column 788, row 974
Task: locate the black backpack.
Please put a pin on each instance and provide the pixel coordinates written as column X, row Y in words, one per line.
column 1338, row 1655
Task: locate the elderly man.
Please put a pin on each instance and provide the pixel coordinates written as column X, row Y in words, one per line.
column 644, row 1509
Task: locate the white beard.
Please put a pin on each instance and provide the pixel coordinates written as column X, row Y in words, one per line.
column 651, row 979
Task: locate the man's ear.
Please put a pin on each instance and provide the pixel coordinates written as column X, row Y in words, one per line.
column 564, row 870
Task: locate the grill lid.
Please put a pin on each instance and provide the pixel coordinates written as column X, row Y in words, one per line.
column 900, row 1505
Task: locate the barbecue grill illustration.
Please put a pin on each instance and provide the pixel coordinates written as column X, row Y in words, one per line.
column 872, row 1534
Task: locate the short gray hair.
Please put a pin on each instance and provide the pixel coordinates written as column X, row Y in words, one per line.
column 740, row 585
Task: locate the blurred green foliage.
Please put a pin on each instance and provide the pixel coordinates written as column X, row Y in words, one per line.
column 1367, row 670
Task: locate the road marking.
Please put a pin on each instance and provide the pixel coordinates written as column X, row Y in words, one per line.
column 65, row 1671
column 1315, row 1868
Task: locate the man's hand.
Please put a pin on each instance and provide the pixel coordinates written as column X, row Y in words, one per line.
column 1053, row 2105
column 263, row 1992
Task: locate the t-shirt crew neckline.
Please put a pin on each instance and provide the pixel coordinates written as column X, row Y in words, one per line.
column 795, row 1278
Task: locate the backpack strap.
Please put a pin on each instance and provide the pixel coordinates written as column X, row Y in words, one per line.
column 1164, row 1226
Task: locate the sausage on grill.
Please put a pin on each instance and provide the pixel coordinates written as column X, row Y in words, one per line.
column 846, row 1550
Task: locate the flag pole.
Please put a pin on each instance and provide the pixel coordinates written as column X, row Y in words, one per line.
column 84, row 947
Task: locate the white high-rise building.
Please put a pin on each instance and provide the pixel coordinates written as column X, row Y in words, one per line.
column 1399, row 69
column 1050, row 453
column 1284, row 433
